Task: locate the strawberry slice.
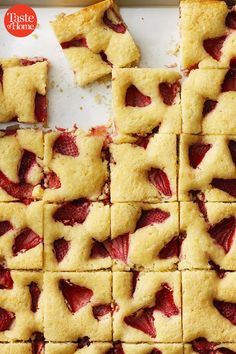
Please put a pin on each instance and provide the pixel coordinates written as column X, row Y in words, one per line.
column 6, row 281
column 135, row 98
column 173, row 247
column 118, row 248
column 226, row 309
column 75, row 42
column 226, row 185
column 220, row 272
column 28, row 160
column 197, row 152
column 229, row 83
column 150, row 217
column 230, row 20
column 117, row 349
column 6, row 319
column 135, row 277
column 202, row 346
column 98, row 250
column 21, row 191
column 61, row 248
column 104, row 58
column 223, row 232
column 25, row 241
column 52, row 181
column 32, row 61
column 101, row 310
column 232, row 149
column 5, row 226
column 213, row 46
column 232, row 63
column 65, row 144
column 208, row 107
column 113, row 20
column 1, row 75
column 165, row 301
column 40, row 108
column 75, row 296
column 38, row 343
column 35, row 293
column 169, row 92
column 72, row 213
column 83, row 342
column 143, row 320
column 160, row 180
column 143, row 140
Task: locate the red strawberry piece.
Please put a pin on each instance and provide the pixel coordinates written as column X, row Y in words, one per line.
column 5, row 226
column 202, row 346
column 173, row 247
column 223, row 232
column 155, row 351
column 25, row 241
column 38, row 343
column 101, row 310
column 104, row 58
column 135, row 98
column 160, row 180
column 75, row 296
column 65, row 144
column 135, row 277
column 220, row 272
column 117, row 349
column 118, row 248
column 1, row 75
column 75, row 42
column 28, row 160
column 229, row 83
column 72, row 213
column 213, row 46
column 150, row 217
column 143, row 320
column 232, row 149
column 226, row 185
column 197, row 153
column 233, row 63
column 83, row 342
column 6, row 281
column 61, row 248
column 41, row 106
column 52, row 180
column 28, row 62
column 226, row 309
column 223, row 350
column 35, row 295
column 208, row 107
column 22, row 191
column 230, row 20
column 113, row 20
column 6, row 319
column 143, row 140
column 169, row 92
column 98, row 250
column 165, row 301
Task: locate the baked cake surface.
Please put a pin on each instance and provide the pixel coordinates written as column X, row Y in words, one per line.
column 202, row 344
column 69, row 348
column 152, row 349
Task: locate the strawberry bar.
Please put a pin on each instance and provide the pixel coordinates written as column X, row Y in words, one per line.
column 76, row 228
column 84, row 346
column 21, row 156
column 146, row 306
column 76, row 297
column 145, row 101
column 23, row 89
column 209, row 306
column 152, row 349
column 200, row 345
column 21, row 305
column 209, row 102
column 94, row 40
column 210, row 236
column 207, row 168
column 144, row 172
column 75, row 165
column 21, row 240
column 207, row 34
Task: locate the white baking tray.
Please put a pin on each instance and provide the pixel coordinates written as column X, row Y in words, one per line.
column 155, row 29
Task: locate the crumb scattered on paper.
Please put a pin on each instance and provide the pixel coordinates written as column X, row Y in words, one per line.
column 35, row 36
column 171, row 66
column 38, row 25
column 98, row 98
column 174, row 48
column 52, row 84
column 81, row 108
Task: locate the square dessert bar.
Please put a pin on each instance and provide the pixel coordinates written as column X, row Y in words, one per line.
column 76, row 228
column 83, row 347
column 21, row 235
column 202, row 344
column 148, row 307
column 209, row 306
column 77, row 305
column 152, row 349
column 144, row 236
column 146, row 100
column 209, row 102
column 207, row 34
column 94, row 40
column 144, row 171
column 21, row 305
column 21, row 158
column 76, row 165
column 23, row 89
column 207, row 168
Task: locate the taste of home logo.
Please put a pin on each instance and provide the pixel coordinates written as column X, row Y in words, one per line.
column 20, row 20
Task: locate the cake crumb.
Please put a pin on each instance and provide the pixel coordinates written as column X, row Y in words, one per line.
column 98, row 98
column 174, row 50
column 35, row 36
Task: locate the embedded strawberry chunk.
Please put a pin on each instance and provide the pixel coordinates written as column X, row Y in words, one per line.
column 22, row 191
column 169, row 92
column 226, row 309
column 72, row 213
column 40, row 108
column 35, row 293
column 118, row 248
column 101, row 310
column 143, row 140
column 83, row 342
column 173, row 247
column 213, row 46
column 52, row 181
column 135, row 277
column 75, row 296
column 28, row 160
column 6, row 319
column 113, row 20
column 229, row 83
column 143, row 320
column 32, row 61
column 104, row 58
column 98, row 250
column 155, row 351
column 223, row 232
column 25, row 241
column 5, row 226
column 6, row 281
column 232, row 63
column 150, row 217
column 165, row 301
column 117, row 349
column 202, row 346
column 1, row 75
column 61, row 248
column 230, row 20
column 160, row 180
column 135, row 98
column 75, row 42
column 226, row 185
column 65, row 144
column 232, row 149
column 220, row 272
column 208, row 107
column 38, row 343
column 197, row 153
